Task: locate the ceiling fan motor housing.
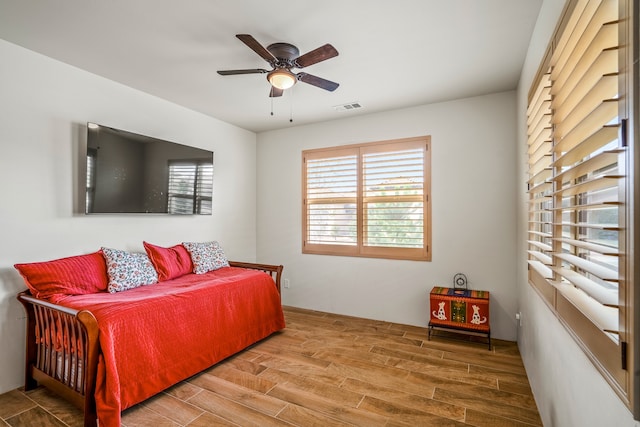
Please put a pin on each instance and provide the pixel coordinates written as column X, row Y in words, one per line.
column 282, row 77
column 284, row 51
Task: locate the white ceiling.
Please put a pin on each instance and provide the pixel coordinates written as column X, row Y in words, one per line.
column 392, row 54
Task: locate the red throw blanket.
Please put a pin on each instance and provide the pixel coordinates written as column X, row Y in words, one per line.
column 155, row 336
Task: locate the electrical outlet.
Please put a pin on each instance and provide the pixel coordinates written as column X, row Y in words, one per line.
column 519, row 318
column 286, row 283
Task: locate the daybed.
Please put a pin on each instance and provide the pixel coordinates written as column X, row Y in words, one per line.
column 106, row 351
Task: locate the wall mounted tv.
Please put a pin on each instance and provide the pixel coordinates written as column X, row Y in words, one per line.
column 131, row 173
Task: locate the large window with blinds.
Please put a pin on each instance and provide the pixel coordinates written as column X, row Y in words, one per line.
column 368, row 200
column 190, row 187
column 579, row 187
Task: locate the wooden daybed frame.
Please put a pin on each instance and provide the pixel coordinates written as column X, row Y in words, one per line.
column 71, row 370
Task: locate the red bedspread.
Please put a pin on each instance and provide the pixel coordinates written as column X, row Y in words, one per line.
column 155, row 336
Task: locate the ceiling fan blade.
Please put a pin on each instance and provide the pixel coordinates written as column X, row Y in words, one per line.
column 317, row 55
column 275, row 92
column 318, row 81
column 256, row 47
column 249, row 71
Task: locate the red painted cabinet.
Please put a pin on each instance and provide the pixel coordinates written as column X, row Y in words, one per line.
column 463, row 310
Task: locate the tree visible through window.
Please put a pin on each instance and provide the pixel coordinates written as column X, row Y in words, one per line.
column 190, row 187
column 368, row 200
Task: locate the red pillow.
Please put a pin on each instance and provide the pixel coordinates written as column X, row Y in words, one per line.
column 169, row 262
column 56, row 279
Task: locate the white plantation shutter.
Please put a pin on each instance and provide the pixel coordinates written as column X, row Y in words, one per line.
column 187, row 188
column 368, row 200
column 540, row 186
column 586, row 152
column 91, row 179
column 393, row 197
column 204, row 188
column 577, row 163
column 332, row 187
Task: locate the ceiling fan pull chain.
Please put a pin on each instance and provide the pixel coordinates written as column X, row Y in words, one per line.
column 271, row 106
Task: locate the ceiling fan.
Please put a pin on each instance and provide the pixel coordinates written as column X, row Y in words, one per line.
column 283, row 57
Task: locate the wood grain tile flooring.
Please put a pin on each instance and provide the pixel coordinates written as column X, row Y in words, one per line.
column 328, row 370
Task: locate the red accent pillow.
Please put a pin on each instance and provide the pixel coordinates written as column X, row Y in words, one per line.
column 169, row 262
column 56, row 279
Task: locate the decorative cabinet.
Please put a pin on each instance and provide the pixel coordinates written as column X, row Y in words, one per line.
column 460, row 310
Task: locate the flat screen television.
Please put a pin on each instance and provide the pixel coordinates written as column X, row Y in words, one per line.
column 132, row 173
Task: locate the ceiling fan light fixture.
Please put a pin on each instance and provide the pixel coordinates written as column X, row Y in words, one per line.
column 282, row 78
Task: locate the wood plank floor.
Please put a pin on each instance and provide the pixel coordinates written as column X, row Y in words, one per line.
column 329, row 370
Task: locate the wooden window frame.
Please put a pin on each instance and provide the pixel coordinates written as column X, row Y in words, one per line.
column 359, row 248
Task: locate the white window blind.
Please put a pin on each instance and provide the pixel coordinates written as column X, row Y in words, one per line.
column 332, row 187
column 91, row 179
column 577, row 163
column 368, row 200
column 189, row 188
column 586, row 152
column 394, row 197
column 540, row 172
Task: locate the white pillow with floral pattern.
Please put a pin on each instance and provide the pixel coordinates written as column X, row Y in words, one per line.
column 206, row 256
column 128, row 270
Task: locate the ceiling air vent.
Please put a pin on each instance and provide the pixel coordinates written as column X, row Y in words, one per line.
column 347, row 107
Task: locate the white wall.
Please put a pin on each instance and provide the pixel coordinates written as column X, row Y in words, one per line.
column 44, row 105
column 473, row 186
column 568, row 389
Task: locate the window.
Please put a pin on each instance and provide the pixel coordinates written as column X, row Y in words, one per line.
column 91, row 179
column 368, row 200
column 190, row 184
column 580, row 219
